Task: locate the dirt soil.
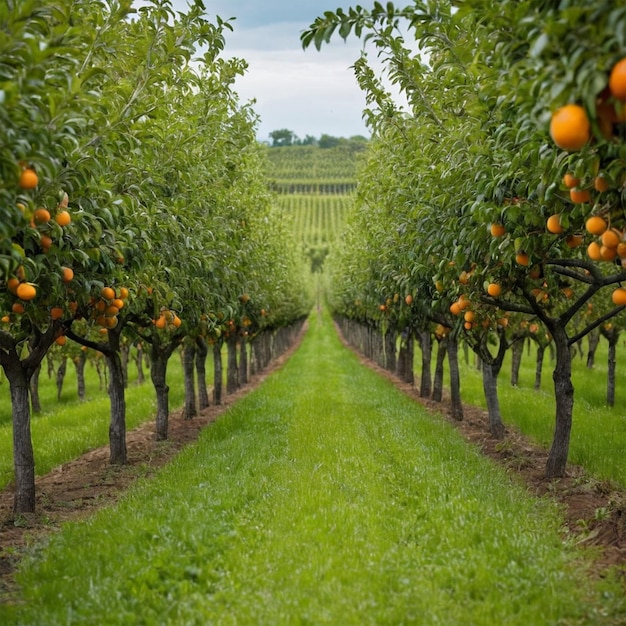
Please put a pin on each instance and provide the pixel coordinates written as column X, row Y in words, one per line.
column 595, row 512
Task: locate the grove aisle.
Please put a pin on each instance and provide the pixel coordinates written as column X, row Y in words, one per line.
column 325, row 496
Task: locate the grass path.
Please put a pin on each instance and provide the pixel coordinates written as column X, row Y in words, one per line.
column 326, row 496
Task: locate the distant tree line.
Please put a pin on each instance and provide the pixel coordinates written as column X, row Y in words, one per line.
column 286, row 137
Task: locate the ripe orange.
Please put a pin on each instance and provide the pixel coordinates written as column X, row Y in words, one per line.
column 521, row 258
column 621, row 249
column 497, row 230
column 41, row 216
column 619, row 296
column 611, row 238
column 111, row 311
column 601, row 184
column 593, row 251
column 570, row 181
column 12, row 284
column 617, row 80
column 573, row 241
column 494, row 290
column 56, row 312
column 554, row 224
column 28, row 178
column 469, row 316
column 5, row 319
column 68, row 274
column 608, row 254
column 160, row 322
column 579, row 195
column 596, row 225
column 118, row 302
column 463, row 301
column 46, row 242
column 108, row 293
column 26, row 291
column 123, row 293
column 63, row 218
column 503, row 321
column 177, row 321
column 455, row 309
column 61, row 340
column 467, row 325
column 17, row 307
column 408, row 299
column 568, row 292
column 570, row 128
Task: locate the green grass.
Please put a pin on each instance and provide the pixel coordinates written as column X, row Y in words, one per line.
column 598, row 440
column 68, row 428
column 326, row 496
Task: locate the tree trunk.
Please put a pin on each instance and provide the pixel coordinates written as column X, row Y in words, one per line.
column 158, row 375
column 189, row 355
column 390, row 350
column 34, row 391
column 593, row 339
column 490, row 387
column 541, row 349
column 79, row 366
column 232, row 370
column 125, row 355
column 456, row 406
column 23, row 456
column 516, row 361
column 426, row 381
column 61, row 376
column 139, row 362
column 117, row 426
column 243, row 362
column 202, row 352
column 217, row 372
column 612, row 338
column 437, row 394
column 564, row 394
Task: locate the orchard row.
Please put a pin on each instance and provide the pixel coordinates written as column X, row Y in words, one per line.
column 494, row 203
column 133, row 197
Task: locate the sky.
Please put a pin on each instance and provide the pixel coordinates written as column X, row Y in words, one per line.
column 305, row 91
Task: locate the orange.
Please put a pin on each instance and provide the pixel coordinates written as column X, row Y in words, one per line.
column 617, row 80
column 68, row 274
column 573, row 241
column 568, row 292
column 619, row 296
column 26, row 291
column 570, row 128
column 111, row 310
column 608, row 254
column 601, row 184
column 118, row 302
column 408, row 299
column 41, row 216
column 570, row 181
column 177, row 321
column 611, row 238
column 463, row 302
column 596, row 225
column 621, row 250
column 494, row 290
column 455, row 309
column 467, row 325
column 17, row 307
column 497, row 230
column 12, row 284
column 123, row 293
column 5, row 319
column 63, row 218
column 554, row 224
column 161, row 322
column 469, row 316
column 61, row 341
column 593, row 251
column 503, row 321
column 46, row 242
column 28, row 178
column 56, row 312
column 521, row 258
column 579, row 195
column 108, row 293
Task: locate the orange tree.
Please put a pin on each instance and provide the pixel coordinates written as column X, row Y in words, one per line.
column 482, row 99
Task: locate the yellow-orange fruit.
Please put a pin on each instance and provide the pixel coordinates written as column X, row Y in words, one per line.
column 497, row 230
column 554, row 224
column 41, row 216
column 617, row 80
column 63, row 218
column 570, row 181
column 596, row 225
column 28, row 178
column 570, row 128
column 619, row 296
column 611, row 238
column 494, row 290
column 26, row 291
column 579, row 195
column 593, row 251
